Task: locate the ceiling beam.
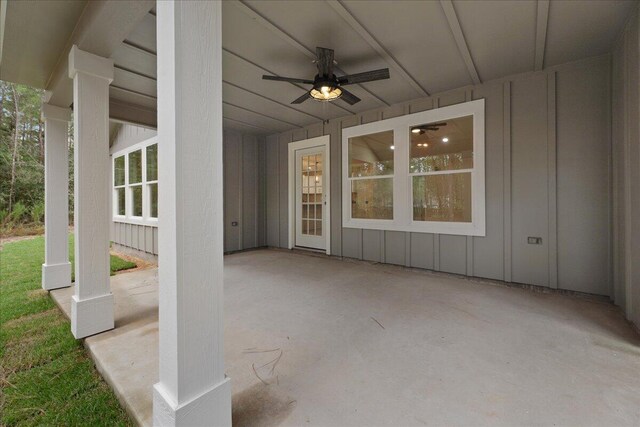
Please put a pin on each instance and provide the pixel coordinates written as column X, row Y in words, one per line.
column 123, row 112
column 371, row 41
column 249, row 124
column 133, row 92
column 100, row 30
column 261, row 114
column 271, row 100
column 458, row 35
column 139, row 48
column 542, row 20
column 134, row 72
column 283, row 35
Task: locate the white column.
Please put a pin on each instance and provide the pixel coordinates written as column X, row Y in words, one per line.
column 92, row 303
column 193, row 388
column 56, row 270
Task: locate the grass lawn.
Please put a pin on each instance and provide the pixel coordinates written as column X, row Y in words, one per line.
column 46, row 377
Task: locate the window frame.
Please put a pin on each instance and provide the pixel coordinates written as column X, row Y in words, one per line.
column 403, row 179
column 129, row 218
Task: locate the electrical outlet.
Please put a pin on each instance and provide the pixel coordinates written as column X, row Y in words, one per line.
column 534, row 240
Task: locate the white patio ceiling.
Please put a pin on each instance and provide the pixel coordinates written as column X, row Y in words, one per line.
column 429, row 46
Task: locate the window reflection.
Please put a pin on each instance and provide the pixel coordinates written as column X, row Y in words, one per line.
column 371, row 155
column 442, row 197
column 440, row 146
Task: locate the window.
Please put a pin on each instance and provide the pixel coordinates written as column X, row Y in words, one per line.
column 152, row 180
column 440, row 164
column 422, row 172
column 119, row 186
column 135, row 184
column 371, row 175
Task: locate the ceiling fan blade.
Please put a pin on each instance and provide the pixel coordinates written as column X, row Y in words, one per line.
column 301, row 99
column 348, row 97
column 287, row 79
column 324, row 61
column 367, row 76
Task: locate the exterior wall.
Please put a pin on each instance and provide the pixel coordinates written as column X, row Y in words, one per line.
column 143, row 238
column 243, row 193
column 547, row 175
column 626, row 171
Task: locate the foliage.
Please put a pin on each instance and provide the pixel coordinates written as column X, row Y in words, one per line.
column 37, row 213
column 47, row 376
column 19, row 212
column 22, row 153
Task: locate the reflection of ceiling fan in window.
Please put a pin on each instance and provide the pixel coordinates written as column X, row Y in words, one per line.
column 420, row 130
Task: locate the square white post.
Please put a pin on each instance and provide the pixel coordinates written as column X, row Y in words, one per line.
column 56, row 270
column 92, row 303
column 193, row 388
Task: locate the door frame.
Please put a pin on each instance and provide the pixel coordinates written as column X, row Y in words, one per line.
column 326, row 187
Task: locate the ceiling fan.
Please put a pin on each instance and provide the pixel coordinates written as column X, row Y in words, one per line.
column 423, row 128
column 326, row 85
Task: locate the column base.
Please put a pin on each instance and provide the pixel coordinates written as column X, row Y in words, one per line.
column 56, row 276
column 211, row 408
column 91, row 316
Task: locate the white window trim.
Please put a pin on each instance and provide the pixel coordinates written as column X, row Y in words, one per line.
column 128, row 218
column 402, row 179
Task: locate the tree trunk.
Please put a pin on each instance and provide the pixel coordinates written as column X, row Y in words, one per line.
column 16, row 143
column 2, row 95
column 41, row 141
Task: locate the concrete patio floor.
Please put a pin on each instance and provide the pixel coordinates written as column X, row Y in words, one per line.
column 316, row 341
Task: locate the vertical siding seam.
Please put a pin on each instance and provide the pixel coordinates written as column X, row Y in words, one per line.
column 277, row 152
column 241, row 194
column 470, row 239
column 552, row 179
column 612, row 190
column 436, row 236
column 506, row 142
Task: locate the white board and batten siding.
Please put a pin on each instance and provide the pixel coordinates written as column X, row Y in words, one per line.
column 140, row 237
column 548, row 163
column 244, row 193
column 625, row 132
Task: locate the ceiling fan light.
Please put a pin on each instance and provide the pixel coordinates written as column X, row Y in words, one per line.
column 325, row 93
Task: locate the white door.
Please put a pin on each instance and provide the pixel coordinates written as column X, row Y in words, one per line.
column 310, row 198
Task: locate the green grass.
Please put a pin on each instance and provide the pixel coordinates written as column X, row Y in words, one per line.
column 46, row 376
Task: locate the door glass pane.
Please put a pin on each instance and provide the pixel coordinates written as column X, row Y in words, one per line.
column 444, row 197
column 118, row 172
column 311, row 175
column 135, row 167
column 444, row 145
column 372, row 198
column 136, row 195
column 152, row 162
column 371, row 155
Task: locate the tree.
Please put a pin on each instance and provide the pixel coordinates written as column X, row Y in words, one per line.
column 21, row 148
